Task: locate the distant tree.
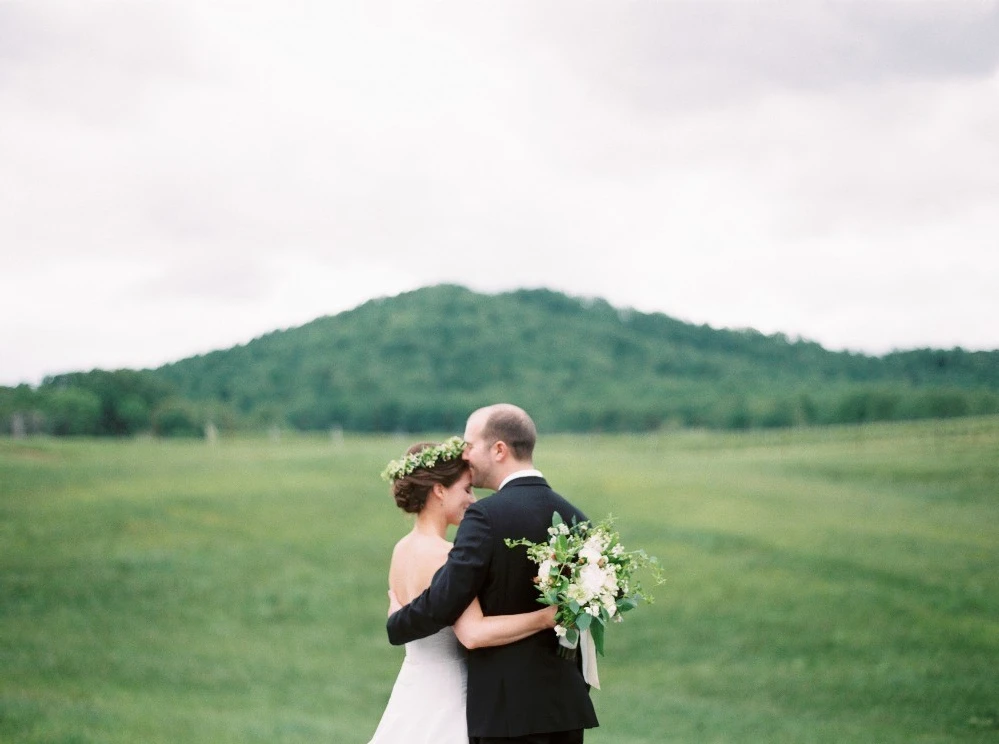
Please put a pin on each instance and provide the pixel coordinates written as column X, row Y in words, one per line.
column 20, row 412
column 125, row 397
column 937, row 404
column 176, row 418
column 133, row 412
column 72, row 411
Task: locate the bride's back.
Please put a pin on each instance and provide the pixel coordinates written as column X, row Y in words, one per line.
column 415, row 560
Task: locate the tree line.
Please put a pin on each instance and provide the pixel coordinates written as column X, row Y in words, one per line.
column 422, row 360
column 104, row 403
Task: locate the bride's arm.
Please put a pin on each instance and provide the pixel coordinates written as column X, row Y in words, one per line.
column 475, row 630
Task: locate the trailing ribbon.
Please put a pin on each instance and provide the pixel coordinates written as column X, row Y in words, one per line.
column 589, row 650
column 589, row 659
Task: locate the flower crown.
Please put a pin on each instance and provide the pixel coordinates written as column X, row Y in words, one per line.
column 449, row 449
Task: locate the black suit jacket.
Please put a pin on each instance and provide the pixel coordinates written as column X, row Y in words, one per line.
column 523, row 687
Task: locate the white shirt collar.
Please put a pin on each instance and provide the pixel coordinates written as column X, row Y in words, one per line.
column 521, row 474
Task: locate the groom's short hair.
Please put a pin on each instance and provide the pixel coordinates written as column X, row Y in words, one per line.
column 510, row 424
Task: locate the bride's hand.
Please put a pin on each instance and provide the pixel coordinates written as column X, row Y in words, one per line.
column 549, row 615
column 394, row 604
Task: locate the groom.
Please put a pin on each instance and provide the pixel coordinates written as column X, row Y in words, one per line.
column 522, row 692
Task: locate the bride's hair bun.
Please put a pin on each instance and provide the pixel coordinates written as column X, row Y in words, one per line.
column 412, row 490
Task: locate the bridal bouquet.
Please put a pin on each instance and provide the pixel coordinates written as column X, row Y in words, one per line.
column 587, row 574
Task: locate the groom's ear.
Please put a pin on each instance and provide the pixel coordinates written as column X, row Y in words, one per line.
column 501, row 451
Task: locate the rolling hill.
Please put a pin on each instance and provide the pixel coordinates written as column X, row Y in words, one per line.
column 420, row 361
column 423, row 359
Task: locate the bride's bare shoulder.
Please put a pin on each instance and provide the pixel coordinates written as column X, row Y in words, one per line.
column 415, row 560
column 421, row 548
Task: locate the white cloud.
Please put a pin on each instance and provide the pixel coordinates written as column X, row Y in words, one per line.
column 181, row 177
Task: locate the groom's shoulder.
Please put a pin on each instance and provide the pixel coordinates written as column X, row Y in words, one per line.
column 516, row 491
column 511, row 494
column 533, row 492
column 524, row 482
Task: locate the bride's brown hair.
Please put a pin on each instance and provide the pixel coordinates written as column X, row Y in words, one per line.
column 411, row 491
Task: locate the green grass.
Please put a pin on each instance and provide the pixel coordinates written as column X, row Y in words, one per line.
column 824, row 585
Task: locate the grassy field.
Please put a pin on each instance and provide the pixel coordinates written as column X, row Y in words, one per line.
column 836, row 585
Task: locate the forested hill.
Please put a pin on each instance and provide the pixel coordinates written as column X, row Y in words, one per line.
column 421, row 361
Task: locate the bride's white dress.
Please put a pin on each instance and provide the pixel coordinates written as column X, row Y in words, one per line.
column 427, row 705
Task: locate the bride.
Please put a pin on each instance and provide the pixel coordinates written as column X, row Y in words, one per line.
column 427, row 705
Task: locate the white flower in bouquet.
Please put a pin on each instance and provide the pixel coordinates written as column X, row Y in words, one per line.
column 544, row 573
column 592, row 550
column 596, row 581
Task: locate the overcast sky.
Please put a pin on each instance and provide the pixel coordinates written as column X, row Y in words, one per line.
column 178, row 177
